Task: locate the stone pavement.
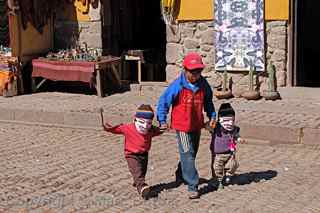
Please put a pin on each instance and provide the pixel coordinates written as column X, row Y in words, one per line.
column 294, row 119
column 49, row 169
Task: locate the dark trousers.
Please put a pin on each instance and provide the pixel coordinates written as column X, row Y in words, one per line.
column 138, row 164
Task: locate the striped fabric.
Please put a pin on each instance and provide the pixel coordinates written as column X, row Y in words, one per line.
column 185, row 139
column 63, row 70
column 145, row 111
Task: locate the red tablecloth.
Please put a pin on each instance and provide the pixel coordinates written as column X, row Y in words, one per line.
column 63, row 70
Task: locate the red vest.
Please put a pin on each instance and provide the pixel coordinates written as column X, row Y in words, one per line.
column 187, row 115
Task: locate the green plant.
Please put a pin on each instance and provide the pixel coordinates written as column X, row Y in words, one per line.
column 271, row 73
column 224, row 82
column 180, row 58
column 251, row 75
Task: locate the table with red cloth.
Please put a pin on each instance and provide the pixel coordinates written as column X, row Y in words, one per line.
column 84, row 71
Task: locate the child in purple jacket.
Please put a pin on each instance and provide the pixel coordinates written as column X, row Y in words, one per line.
column 223, row 145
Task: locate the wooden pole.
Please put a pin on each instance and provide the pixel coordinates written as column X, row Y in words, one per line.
column 101, row 114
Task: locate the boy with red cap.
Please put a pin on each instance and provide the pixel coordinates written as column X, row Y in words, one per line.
column 138, row 136
column 188, row 95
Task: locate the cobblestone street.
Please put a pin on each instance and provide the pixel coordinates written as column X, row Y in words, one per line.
column 46, row 169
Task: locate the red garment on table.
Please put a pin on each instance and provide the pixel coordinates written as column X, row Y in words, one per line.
column 63, row 70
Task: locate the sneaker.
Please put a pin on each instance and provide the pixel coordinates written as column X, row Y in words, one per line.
column 213, row 182
column 145, row 192
column 228, row 180
column 220, row 186
column 193, row 194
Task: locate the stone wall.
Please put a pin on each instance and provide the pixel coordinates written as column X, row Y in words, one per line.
column 199, row 37
column 68, row 32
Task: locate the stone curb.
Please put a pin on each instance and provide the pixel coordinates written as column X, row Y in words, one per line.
column 258, row 133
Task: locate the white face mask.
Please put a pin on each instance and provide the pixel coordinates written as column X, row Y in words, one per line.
column 143, row 125
column 227, row 122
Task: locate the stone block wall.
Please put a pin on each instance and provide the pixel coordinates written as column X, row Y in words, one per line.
column 68, row 32
column 199, row 36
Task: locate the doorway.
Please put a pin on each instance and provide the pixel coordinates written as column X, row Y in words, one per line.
column 307, row 51
column 4, row 24
column 136, row 25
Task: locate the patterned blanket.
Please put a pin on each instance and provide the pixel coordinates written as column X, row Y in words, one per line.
column 239, row 38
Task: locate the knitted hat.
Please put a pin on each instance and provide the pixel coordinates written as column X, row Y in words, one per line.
column 226, row 110
column 145, row 111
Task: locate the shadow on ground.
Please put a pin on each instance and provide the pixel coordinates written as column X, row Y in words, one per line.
column 157, row 189
column 241, row 179
column 76, row 87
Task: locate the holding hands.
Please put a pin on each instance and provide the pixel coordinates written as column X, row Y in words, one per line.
column 241, row 140
column 107, row 126
column 211, row 125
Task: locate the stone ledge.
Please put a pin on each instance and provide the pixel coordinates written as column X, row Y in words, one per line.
column 273, row 134
column 258, row 134
column 310, row 136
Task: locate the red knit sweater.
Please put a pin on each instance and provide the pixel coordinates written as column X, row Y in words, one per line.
column 134, row 142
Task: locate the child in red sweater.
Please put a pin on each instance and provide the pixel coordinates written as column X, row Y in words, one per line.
column 137, row 143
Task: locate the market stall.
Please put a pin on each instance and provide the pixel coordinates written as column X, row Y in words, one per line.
column 88, row 71
column 9, row 72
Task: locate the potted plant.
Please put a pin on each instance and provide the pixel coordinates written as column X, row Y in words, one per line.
column 271, row 93
column 251, row 94
column 224, row 92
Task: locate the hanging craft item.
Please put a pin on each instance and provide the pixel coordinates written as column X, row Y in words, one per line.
column 37, row 12
column 168, row 11
column 4, row 24
column 252, row 93
column 82, row 6
column 239, row 36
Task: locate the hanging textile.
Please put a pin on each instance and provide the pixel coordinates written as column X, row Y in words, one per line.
column 82, row 6
column 169, row 10
column 4, row 24
column 37, row 12
column 239, row 37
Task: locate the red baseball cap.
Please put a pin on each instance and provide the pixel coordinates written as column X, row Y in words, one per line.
column 193, row 61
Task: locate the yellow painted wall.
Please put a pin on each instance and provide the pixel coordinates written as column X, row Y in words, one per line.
column 277, row 9
column 203, row 10
column 196, row 10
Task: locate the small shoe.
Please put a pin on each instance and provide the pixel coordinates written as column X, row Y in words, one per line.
column 145, row 192
column 213, row 182
column 193, row 194
column 228, row 180
column 220, row 186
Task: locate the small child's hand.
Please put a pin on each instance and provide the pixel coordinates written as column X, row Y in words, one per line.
column 107, row 126
column 210, row 125
column 213, row 123
column 241, row 140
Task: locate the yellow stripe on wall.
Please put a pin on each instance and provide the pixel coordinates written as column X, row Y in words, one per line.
column 196, row 10
column 276, row 9
column 193, row 10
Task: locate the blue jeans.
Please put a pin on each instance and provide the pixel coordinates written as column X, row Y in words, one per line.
column 188, row 144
